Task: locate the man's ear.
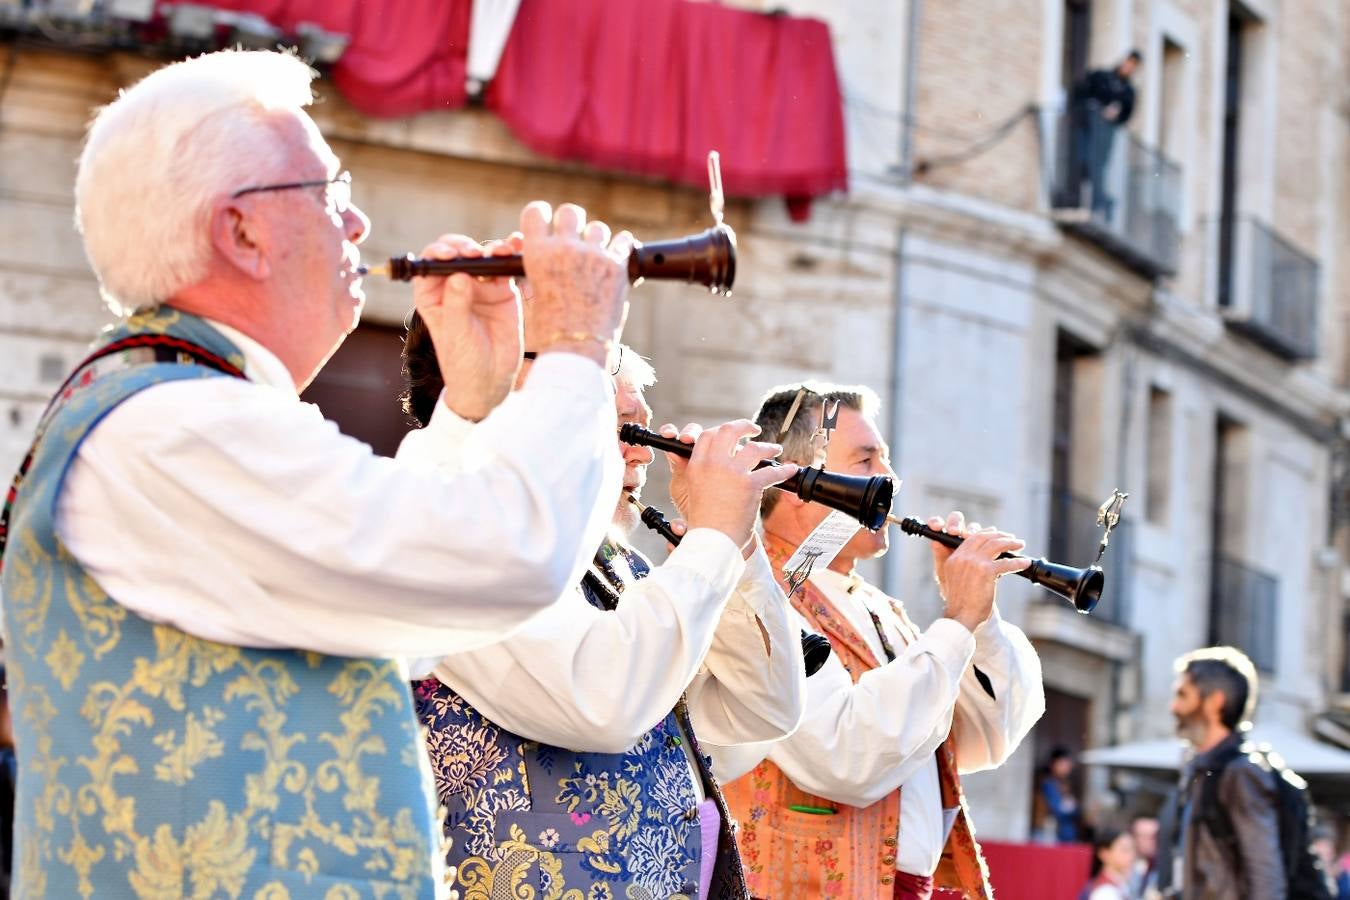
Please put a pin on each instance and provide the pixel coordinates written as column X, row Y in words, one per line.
column 1213, row 705
column 239, row 240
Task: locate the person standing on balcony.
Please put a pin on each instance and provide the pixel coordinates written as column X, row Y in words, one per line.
column 1100, row 103
column 864, row 800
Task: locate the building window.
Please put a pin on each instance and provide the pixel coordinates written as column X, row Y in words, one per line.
column 1158, row 463
column 1240, row 27
column 1244, row 600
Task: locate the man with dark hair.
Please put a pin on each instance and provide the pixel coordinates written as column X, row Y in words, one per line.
column 864, row 800
column 1101, row 102
column 1213, row 699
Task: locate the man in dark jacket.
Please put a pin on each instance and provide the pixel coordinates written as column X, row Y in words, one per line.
column 1101, row 102
column 1214, row 696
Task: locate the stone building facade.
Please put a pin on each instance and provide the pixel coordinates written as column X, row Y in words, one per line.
column 1031, row 355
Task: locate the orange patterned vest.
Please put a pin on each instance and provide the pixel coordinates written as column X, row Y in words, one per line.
column 850, row 854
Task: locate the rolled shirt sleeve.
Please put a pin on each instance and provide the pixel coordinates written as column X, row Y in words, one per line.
column 988, row 729
column 876, row 733
column 596, row 680
column 232, row 511
column 747, row 691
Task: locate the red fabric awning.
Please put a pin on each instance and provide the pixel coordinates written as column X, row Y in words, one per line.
column 647, row 88
column 651, row 87
column 404, row 58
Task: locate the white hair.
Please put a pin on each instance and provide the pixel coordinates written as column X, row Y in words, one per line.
column 159, row 156
column 634, row 371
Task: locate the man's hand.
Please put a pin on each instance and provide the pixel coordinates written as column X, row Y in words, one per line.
column 718, row 487
column 967, row 574
column 475, row 326
column 579, row 279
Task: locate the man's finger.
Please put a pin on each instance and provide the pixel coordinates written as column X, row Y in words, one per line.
column 1008, row 566
column 730, row 433
column 596, row 232
column 752, row 453
column 769, row 476
column 621, row 246
column 568, row 219
column 535, row 220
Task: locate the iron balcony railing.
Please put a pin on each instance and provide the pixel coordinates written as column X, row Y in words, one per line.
column 1074, row 537
column 1111, row 188
column 1244, row 611
column 1268, row 288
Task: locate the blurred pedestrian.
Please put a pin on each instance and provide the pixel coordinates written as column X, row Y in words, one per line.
column 1237, row 829
column 1144, row 830
column 1113, row 858
column 1057, row 811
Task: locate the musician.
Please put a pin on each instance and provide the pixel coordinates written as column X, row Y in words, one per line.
column 206, row 585
column 864, row 800
column 567, row 756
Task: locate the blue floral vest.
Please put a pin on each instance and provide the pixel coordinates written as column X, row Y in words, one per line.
column 153, row 764
column 530, row 820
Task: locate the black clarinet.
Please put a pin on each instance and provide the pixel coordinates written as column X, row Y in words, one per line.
column 815, row 647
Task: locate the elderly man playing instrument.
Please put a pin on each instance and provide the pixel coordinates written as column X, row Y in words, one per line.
column 567, row 755
column 209, row 590
column 864, row 800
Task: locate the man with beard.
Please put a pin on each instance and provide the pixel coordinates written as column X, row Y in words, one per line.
column 863, row 801
column 1212, row 701
column 566, row 756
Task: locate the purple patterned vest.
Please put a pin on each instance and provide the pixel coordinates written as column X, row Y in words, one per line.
column 522, row 814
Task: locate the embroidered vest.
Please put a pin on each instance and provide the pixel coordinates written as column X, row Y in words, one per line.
column 154, row 764
column 851, row 854
column 529, row 820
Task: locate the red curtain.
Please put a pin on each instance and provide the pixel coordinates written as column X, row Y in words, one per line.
column 1037, row 871
column 645, row 87
column 404, row 58
column 650, row 87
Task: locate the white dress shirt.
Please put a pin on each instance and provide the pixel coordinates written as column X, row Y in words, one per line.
column 229, row 509
column 857, row 743
column 595, row 680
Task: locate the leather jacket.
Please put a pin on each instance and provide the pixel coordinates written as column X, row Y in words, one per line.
column 1250, row 867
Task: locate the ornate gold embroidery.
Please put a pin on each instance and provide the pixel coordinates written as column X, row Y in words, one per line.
column 99, row 616
column 214, row 856
column 28, row 587
column 200, row 743
column 64, row 659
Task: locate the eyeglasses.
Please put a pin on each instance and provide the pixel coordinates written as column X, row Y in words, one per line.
column 338, row 189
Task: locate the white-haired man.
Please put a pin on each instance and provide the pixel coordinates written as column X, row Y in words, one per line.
column 566, row 756
column 206, row 584
column 864, row 800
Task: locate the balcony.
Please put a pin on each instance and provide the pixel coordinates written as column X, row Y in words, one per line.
column 1074, row 536
column 1112, row 189
column 1243, row 611
column 1268, row 288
